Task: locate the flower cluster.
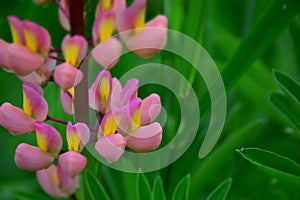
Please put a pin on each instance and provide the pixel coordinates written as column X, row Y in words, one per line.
column 127, row 120
column 123, row 118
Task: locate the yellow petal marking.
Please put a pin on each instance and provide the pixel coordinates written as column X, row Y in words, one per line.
column 73, row 141
column 111, row 124
column 106, row 4
column 71, row 91
column 31, row 41
column 41, row 140
column 140, row 20
column 72, row 53
column 136, row 120
column 26, row 105
column 104, row 89
column 15, row 35
column 106, row 28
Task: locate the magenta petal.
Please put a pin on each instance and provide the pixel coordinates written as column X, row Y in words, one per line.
column 66, row 102
column 38, row 104
column 22, row 60
column 130, row 91
column 3, row 60
column 32, row 158
column 151, row 39
column 15, row 120
column 16, row 27
column 49, row 139
column 67, row 76
column 41, row 36
column 48, row 180
column 145, row 138
column 38, row 77
column 150, row 109
column 111, row 147
column 72, row 163
column 64, row 21
column 78, row 135
column 68, row 185
column 108, row 53
column 115, row 97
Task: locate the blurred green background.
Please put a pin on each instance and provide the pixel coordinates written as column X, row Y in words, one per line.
column 247, row 39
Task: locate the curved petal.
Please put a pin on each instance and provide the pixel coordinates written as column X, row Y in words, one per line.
column 15, row 120
column 37, row 38
column 108, row 53
column 150, row 39
column 48, row 179
column 68, row 185
column 110, row 122
column 66, row 102
column 72, row 163
column 3, row 60
column 78, row 136
column 34, row 104
column 130, row 91
column 48, row 138
column 150, row 109
column 32, row 158
column 64, row 21
column 111, row 147
column 145, row 138
column 16, row 27
column 21, row 60
column 67, row 76
column 38, row 77
column 115, row 97
column 74, row 49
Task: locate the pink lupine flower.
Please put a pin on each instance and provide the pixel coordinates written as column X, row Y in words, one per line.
column 72, row 163
column 109, row 49
column 77, row 136
column 115, row 5
column 34, row 158
column 63, row 19
column 110, row 144
column 35, row 108
column 100, row 91
column 56, row 183
column 146, row 138
column 147, row 38
column 150, row 109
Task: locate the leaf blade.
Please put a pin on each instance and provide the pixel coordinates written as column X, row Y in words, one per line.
column 95, row 188
column 181, row 189
column 221, row 191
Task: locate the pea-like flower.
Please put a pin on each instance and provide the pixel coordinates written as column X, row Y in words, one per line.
column 35, row 108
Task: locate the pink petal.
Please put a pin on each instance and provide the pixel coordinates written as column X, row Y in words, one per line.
column 15, row 120
column 99, row 93
column 78, row 136
column 50, row 63
column 22, row 60
column 150, row 109
column 48, row 180
column 111, row 147
column 67, row 76
column 151, row 39
column 104, row 26
column 74, row 49
column 68, row 185
column 38, row 77
column 38, row 35
column 16, row 27
column 115, row 97
column 37, row 103
column 110, row 122
column 116, row 5
column 3, row 60
column 64, row 21
column 72, row 163
column 130, row 91
column 127, row 19
column 49, row 139
column 66, row 102
column 146, row 138
column 108, row 53
column 131, row 116
column 32, row 158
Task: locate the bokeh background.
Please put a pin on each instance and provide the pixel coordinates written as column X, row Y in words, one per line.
column 247, row 40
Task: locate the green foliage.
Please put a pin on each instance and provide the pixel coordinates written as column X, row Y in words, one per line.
column 158, row 189
column 143, row 188
column 95, row 189
column 182, row 189
column 221, row 191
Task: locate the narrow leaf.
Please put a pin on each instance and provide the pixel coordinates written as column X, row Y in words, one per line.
column 95, row 188
column 143, row 188
column 288, row 84
column 220, row 192
column 288, row 107
column 158, row 189
column 181, row 189
column 275, row 165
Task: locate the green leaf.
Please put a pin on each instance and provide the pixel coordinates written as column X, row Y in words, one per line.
column 220, row 192
column 275, row 165
column 143, row 188
column 158, row 189
column 288, row 84
column 289, row 107
column 95, row 188
column 29, row 196
column 181, row 189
